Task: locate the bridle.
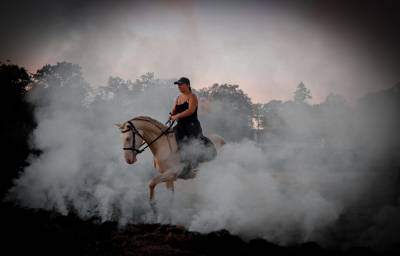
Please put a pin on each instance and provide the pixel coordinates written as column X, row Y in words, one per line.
column 134, row 131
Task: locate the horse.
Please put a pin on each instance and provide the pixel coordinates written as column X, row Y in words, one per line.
column 161, row 140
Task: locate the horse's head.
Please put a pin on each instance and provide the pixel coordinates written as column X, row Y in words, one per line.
column 132, row 139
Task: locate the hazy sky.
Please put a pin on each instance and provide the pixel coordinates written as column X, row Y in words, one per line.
column 345, row 47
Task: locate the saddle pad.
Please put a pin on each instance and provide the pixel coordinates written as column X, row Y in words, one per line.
column 210, row 150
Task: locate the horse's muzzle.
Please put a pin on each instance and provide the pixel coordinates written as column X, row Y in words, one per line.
column 131, row 160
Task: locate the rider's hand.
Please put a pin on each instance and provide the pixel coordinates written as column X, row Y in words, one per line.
column 173, row 118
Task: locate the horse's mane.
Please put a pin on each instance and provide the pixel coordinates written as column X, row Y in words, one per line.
column 151, row 120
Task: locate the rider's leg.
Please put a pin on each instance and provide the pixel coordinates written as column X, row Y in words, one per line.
column 189, row 158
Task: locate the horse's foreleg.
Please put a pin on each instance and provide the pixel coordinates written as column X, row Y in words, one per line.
column 164, row 177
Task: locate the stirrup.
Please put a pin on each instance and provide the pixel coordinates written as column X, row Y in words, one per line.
column 186, row 170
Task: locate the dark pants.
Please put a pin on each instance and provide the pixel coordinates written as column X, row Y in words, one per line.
column 185, row 132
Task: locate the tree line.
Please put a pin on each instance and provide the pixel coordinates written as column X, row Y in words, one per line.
column 224, row 109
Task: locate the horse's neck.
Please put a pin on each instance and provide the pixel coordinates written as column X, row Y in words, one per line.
column 150, row 133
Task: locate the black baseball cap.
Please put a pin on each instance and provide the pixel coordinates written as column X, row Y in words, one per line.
column 183, row 80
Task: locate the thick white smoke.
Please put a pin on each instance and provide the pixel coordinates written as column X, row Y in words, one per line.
column 279, row 190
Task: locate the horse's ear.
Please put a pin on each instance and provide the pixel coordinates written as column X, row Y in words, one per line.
column 118, row 125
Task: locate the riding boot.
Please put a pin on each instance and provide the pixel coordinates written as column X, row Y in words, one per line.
column 185, row 170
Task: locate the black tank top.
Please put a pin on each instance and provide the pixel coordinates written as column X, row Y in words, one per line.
column 187, row 119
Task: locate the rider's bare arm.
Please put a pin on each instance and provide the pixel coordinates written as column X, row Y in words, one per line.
column 192, row 107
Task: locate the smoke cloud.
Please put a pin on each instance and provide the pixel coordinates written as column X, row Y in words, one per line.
column 322, row 180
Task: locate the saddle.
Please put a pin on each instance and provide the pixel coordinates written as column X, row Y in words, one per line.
column 210, row 151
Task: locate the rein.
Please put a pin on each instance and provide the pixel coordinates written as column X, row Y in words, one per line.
column 132, row 128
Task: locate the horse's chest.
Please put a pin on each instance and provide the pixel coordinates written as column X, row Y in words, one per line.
column 166, row 163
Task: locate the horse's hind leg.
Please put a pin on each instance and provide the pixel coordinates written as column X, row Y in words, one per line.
column 170, row 185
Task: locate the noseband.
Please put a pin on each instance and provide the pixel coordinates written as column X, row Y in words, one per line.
column 134, row 131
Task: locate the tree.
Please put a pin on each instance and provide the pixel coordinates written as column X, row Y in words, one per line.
column 258, row 116
column 230, row 111
column 17, row 122
column 15, row 79
column 61, row 82
column 302, row 94
column 335, row 100
column 62, row 74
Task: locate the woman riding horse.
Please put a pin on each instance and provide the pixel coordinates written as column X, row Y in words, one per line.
column 169, row 154
column 188, row 126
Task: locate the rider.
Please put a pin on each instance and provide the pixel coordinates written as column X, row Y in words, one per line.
column 188, row 125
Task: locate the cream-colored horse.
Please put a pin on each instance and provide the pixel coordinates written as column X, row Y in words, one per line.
column 146, row 130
